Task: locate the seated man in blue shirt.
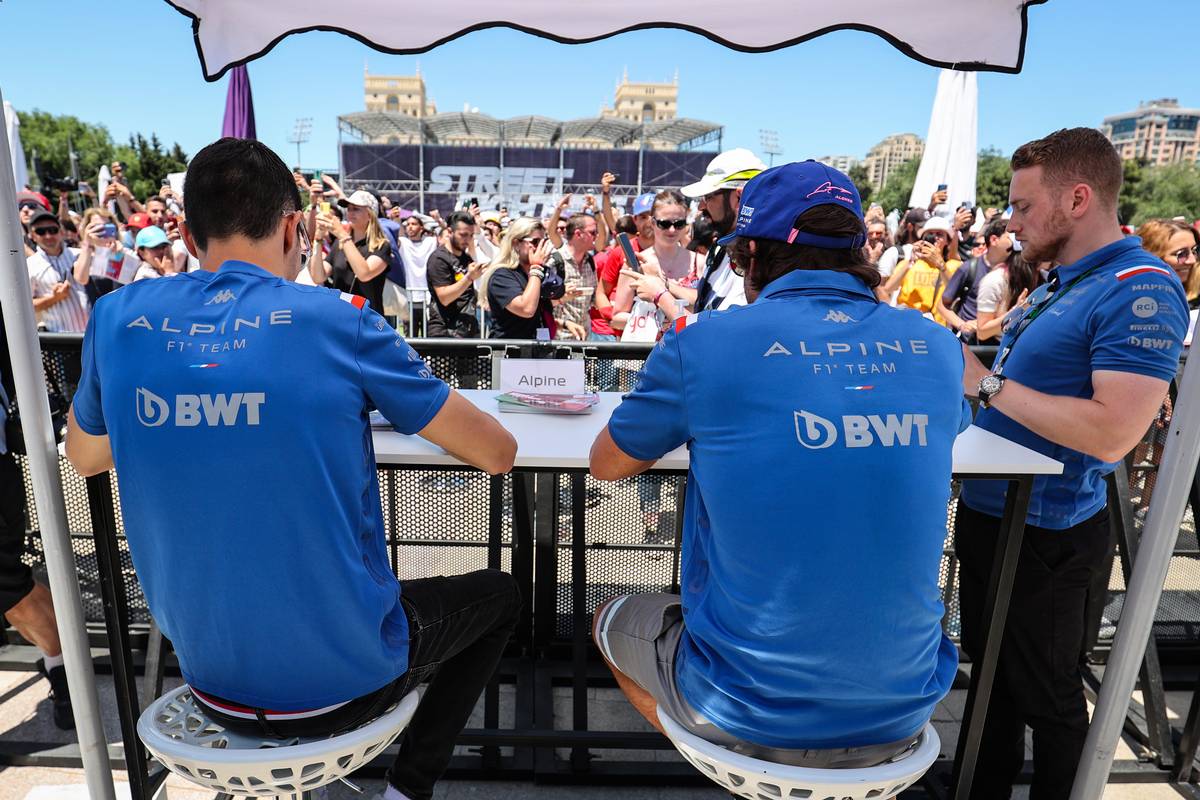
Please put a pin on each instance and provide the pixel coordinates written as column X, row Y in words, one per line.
column 1081, row 372
column 808, row 631
column 264, row 560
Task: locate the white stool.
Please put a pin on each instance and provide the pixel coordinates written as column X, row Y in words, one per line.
column 179, row 734
column 763, row 780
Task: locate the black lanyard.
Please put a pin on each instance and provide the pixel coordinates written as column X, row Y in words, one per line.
column 1037, row 306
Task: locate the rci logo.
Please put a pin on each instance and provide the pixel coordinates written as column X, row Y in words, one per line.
column 891, row 430
column 192, row 410
column 1145, row 307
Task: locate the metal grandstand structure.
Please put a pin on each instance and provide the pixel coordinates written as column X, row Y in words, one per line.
column 385, row 143
column 473, row 128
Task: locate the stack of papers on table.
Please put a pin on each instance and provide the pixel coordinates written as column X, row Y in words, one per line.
column 379, row 421
column 530, row 403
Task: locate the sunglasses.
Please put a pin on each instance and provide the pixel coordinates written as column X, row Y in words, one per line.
column 667, row 224
column 47, row 231
column 1181, row 255
column 534, row 242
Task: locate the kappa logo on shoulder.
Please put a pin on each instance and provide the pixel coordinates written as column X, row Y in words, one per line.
column 838, row 316
column 223, row 296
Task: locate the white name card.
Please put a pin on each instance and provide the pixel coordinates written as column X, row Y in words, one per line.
column 542, row 375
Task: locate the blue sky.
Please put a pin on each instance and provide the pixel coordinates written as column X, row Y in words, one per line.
column 131, row 65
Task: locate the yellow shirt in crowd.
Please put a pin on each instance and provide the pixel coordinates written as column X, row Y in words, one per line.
column 923, row 285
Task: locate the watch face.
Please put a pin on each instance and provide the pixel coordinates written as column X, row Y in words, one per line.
column 990, row 384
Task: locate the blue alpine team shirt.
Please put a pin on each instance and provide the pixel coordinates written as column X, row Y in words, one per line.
column 236, row 404
column 820, row 425
column 1129, row 314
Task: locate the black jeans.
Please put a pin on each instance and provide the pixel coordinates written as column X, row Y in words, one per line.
column 458, row 627
column 1038, row 679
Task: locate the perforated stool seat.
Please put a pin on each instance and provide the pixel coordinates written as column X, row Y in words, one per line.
column 176, row 730
column 762, row 780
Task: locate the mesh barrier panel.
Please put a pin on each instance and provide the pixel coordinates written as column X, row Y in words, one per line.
column 437, row 522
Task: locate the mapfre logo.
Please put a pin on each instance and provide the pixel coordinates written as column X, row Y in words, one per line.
column 193, row 410
column 223, row 296
column 890, row 430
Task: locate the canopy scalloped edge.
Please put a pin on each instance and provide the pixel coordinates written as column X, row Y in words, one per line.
column 899, row 43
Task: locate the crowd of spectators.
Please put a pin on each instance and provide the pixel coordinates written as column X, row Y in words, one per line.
column 480, row 273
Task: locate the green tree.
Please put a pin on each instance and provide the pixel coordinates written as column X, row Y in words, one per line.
column 46, row 135
column 992, row 176
column 147, row 165
column 862, row 181
column 1131, row 190
column 1168, row 191
column 899, row 185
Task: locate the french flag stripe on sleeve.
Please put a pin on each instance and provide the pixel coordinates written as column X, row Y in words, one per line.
column 358, row 301
column 1131, row 272
column 683, row 322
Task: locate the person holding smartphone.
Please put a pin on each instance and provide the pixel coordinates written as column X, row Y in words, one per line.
column 921, row 278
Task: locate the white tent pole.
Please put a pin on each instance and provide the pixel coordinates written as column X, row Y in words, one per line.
column 47, row 486
column 1145, row 586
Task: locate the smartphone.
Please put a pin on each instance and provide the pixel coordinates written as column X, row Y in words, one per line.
column 631, row 259
column 941, row 187
column 325, row 208
column 109, row 231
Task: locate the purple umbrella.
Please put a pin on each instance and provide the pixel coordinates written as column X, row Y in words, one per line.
column 239, row 106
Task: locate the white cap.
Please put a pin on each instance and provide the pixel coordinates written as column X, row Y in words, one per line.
column 935, row 224
column 729, row 170
column 361, row 198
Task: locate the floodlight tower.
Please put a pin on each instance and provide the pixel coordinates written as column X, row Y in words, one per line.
column 300, row 134
column 769, row 140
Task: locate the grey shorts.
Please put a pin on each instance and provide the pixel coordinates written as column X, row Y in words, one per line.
column 639, row 635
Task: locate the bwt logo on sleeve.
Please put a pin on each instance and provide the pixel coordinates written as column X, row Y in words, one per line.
column 192, row 410
column 891, row 430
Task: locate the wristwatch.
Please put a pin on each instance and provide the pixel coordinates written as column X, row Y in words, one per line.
column 989, row 387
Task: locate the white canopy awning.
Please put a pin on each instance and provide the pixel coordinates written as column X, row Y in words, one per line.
column 960, row 34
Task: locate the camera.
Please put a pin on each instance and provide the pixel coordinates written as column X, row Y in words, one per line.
column 931, row 238
column 61, row 184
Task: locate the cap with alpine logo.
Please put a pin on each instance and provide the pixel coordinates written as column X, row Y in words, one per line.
column 772, row 201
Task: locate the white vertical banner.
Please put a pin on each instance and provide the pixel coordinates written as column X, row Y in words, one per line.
column 951, row 148
column 12, row 127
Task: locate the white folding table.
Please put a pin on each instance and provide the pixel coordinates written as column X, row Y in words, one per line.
column 551, row 443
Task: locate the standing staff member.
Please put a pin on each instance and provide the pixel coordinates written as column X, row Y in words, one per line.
column 1080, row 375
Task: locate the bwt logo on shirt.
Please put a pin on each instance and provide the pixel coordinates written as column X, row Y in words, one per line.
column 192, row 410
column 816, row 433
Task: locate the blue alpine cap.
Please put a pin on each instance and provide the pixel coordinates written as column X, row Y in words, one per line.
column 151, row 237
column 643, row 203
column 775, row 198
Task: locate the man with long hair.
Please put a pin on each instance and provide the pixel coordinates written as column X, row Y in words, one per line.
column 774, row 648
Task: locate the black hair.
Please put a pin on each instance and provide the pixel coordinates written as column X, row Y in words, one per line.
column 153, row 198
column 459, row 216
column 773, row 259
column 625, row 224
column 237, row 187
column 997, row 227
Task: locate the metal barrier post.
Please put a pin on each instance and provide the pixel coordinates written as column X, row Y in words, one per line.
column 47, row 486
column 1145, row 587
